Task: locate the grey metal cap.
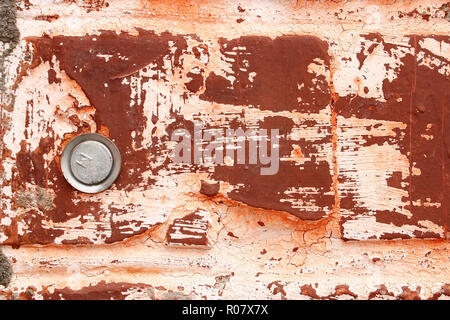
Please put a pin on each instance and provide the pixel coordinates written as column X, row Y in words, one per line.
column 90, row 162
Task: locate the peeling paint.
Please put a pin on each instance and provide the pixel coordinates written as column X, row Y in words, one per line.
column 5, row 270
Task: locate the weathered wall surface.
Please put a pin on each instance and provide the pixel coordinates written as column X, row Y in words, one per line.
column 358, row 208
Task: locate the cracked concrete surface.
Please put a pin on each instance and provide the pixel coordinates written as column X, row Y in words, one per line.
column 5, row 270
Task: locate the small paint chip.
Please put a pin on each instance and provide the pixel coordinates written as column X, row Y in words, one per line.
column 209, row 189
column 421, row 108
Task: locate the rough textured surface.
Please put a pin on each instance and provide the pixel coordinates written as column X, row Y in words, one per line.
column 392, row 171
column 9, row 37
column 359, row 92
column 5, row 270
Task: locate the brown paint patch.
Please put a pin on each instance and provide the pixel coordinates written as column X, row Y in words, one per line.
column 48, row 18
column 196, row 82
column 416, row 97
column 277, row 287
column 380, row 292
column 444, row 291
column 272, row 191
column 191, row 230
column 428, row 154
column 339, row 290
column 408, row 294
column 100, row 291
column 282, row 190
column 268, row 74
column 308, row 290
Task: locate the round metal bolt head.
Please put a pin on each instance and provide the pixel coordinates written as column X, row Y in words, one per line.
column 90, row 162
